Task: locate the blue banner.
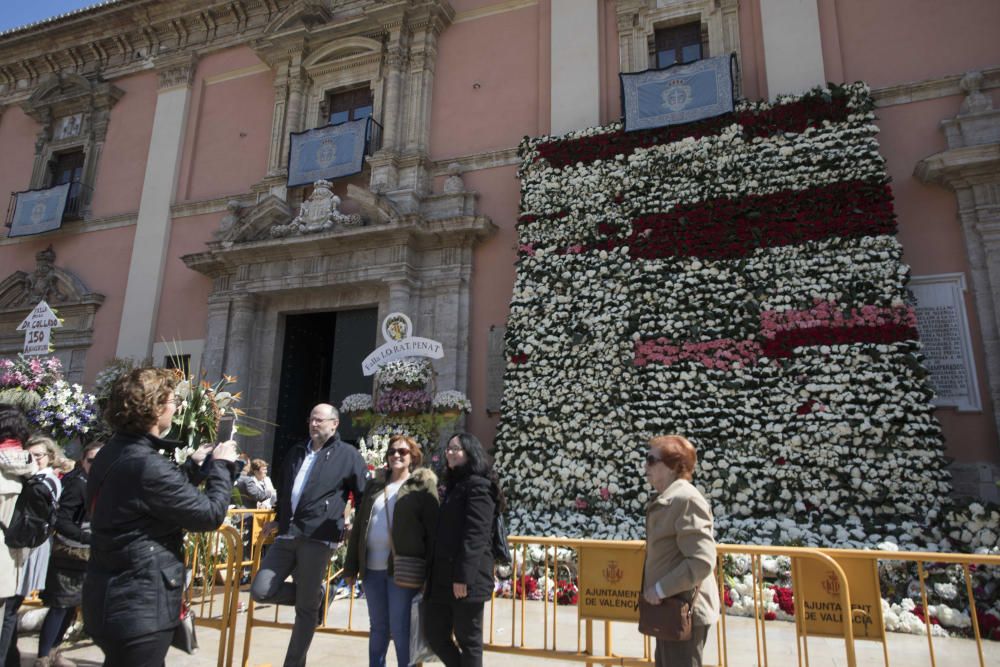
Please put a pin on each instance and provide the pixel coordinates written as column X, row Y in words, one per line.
column 37, row 211
column 678, row 94
column 327, row 152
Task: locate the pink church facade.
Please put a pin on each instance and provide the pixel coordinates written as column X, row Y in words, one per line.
column 171, row 121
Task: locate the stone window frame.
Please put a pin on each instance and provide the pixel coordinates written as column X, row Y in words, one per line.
column 638, row 21
column 346, row 64
column 673, row 24
column 65, row 94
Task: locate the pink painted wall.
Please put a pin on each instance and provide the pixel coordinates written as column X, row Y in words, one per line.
column 492, row 281
column 505, row 107
column 896, row 41
column 122, row 167
column 17, row 144
column 183, row 310
column 76, row 253
column 228, row 128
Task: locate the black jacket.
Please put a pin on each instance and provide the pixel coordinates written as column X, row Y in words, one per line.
column 72, row 518
column 337, row 472
column 141, row 504
column 414, row 520
column 463, row 544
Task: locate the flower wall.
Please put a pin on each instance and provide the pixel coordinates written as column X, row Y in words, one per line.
column 735, row 280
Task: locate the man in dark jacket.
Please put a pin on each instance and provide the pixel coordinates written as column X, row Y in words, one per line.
column 315, row 481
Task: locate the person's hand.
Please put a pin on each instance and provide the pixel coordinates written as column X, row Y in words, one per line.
column 225, row 451
column 459, row 590
column 651, row 596
column 269, row 528
column 204, row 449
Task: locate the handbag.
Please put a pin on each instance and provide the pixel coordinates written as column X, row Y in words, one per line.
column 501, row 552
column 669, row 621
column 184, row 636
column 407, row 571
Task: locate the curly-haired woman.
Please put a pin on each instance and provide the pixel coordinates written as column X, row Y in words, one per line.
column 141, row 504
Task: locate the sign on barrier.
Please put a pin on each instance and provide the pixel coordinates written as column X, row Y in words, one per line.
column 819, row 593
column 610, row 581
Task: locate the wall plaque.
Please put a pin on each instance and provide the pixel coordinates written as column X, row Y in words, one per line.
column 944, row 331
column 496, row 362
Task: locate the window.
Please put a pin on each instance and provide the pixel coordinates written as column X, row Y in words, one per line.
column 350, row 105
column 677, row 45
column 68, row 168
column 182, row 362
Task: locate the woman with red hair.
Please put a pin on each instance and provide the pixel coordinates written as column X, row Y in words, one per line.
column 680, row 546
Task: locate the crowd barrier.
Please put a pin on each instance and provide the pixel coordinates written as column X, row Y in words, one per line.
column 602, row 642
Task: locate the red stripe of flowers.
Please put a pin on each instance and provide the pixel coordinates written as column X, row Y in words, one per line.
column 810, row 111
column 727, row 228
column 781, row 332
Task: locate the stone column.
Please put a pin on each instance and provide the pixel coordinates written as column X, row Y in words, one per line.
column 152, row 233
column 576, row 71
column 275, row 157
column 242, row 311
column 793, row 51
column 399, row 297
column 293, row 116
column 217, row 326
column 390, row 110
column 633, row 50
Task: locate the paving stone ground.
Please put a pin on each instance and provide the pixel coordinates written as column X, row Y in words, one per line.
column 268, row 645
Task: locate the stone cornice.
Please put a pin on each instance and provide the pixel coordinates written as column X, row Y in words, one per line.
column 930, row 89
column 78, row 227
column 409, row 231
column 957, row 167
column 504, row 157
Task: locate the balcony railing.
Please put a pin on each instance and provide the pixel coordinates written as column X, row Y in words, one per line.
column 77, row 199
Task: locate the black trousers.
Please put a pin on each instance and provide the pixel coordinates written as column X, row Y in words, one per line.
column 442, row 618
column 142, row 651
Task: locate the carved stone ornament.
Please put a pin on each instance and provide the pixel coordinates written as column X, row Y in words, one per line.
column 319, row 213
column 454, row 183
column 976, row 101
column 47, row 283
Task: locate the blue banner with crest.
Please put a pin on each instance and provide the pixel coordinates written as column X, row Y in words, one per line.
column 678, row 94
column 37, row 211
column 327, row 152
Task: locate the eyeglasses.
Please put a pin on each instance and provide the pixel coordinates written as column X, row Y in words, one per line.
column 40, row 456
column 319, row 420
column 398, row 452
column 652, row 460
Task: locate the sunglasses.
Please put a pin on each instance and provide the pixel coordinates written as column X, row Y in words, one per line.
column 400, row 452
column 652, row 460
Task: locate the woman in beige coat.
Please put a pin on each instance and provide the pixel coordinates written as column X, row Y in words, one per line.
column 680, row 546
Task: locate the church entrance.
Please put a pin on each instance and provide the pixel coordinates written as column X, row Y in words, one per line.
column 321, row 363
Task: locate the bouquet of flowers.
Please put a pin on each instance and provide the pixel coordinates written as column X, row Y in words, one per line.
column 373, row 451
column 65, row 411
column 202, row 405
column 23, row 380
column 402, row 401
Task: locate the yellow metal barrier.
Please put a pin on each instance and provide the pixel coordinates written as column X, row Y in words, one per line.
column 550, row 640
column 211, row 557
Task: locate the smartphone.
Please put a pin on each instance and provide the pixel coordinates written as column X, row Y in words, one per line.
column 226, row 430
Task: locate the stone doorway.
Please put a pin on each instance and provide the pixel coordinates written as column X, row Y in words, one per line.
column 321, row 362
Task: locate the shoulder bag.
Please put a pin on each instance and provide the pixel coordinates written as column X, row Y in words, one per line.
column 407, row 571
column 669, row 621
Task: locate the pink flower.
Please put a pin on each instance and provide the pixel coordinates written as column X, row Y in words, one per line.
column 581, row 504
column 605, row 493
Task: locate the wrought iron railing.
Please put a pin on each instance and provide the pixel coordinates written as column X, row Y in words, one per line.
column 76, row 203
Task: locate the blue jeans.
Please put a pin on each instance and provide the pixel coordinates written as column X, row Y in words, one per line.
column 389, row 614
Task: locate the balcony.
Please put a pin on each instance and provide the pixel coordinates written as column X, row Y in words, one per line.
column 332, row 151
column 43, row 210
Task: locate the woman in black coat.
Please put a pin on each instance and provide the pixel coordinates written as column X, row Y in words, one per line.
column 461, row 568
column 141, row 504
column 68, row 561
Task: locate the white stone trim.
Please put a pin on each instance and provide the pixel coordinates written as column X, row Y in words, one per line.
column 492, row 10
column 793, row 50
column 152, row 235
column 930, row 89
column 954, row 287
column 236, row 74
column 194, row 348
column 74, row 227
column 575, row 65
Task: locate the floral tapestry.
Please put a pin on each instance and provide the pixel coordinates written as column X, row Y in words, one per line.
column 736, row 280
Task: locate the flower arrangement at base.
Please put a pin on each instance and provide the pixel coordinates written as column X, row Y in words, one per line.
column 355, row 404
column 409, row 373
column 451, row 403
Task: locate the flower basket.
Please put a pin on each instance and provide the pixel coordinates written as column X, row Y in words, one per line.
column 450, row 414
